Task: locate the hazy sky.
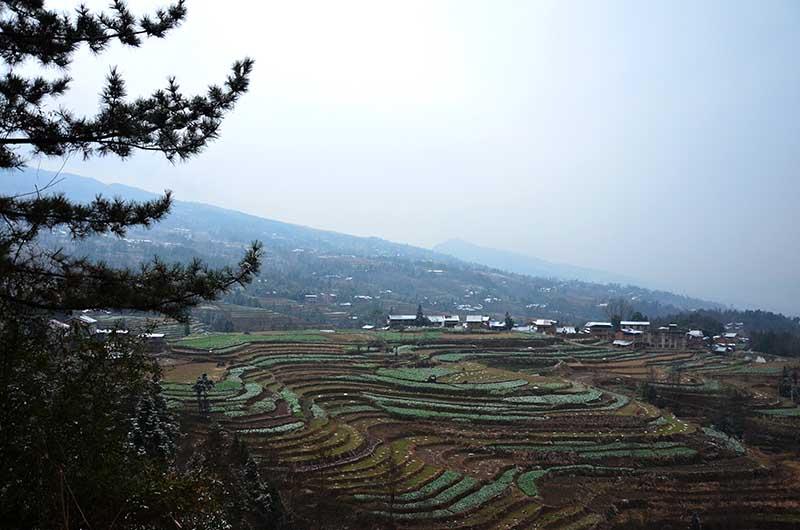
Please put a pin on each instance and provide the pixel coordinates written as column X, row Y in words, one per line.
column 659, row 140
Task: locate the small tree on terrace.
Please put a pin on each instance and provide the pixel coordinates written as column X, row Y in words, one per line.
column 421, row 319
column 73, row 412
column 509, row 322
column 394, row 475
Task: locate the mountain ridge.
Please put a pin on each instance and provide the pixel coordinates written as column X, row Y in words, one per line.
column 359, row 277
column 526, row 264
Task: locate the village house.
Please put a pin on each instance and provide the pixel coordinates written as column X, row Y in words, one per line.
column 452, row 321
column 86, row 322
column 634, row 337
column 401, row 321
column 566, row 330
column 695, row 338
column 104, row 333
column 599, row 329
column 444, row 321
column 734, row 326
column 477, row 322
column 639, row 325
column 437, row 321
column 669, row 338
column 155, row 342
column 727, row 340
column 544, row 325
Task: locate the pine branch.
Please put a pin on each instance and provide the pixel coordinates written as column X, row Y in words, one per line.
column 62, row 283
column 97, row 217
column 28, row 30
column 168, row 121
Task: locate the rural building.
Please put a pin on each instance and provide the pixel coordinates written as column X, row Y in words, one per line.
column 103, row 334
column 566, row 330
column 639, row 325
column 634, row 336
column 85, row 322
column 155, row 342
column 669, row 337
column 728, row 340
column 544, row 325
column 444, row 321
column 734, row 326
column 437, row 321
column 718, row 348
column 695, row 339
column 452, row 321
column 599, row 329
column 477, row 322
column 497, row 325
column 401, row 321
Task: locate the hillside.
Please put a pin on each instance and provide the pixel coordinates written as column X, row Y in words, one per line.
column 316, row 277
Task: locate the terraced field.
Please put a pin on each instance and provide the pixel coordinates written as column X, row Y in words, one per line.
column 463, row 436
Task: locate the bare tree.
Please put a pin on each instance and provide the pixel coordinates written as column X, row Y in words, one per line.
column 618, row 307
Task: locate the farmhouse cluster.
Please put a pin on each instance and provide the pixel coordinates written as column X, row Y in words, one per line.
column 153, row 342
column 624, row 334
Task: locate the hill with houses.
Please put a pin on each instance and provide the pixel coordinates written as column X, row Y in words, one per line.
column 315, row 277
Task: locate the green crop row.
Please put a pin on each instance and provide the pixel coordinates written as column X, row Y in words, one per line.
column 465, row 503
column 794, row 411
column 352, row 409
column 442, row 498
column 286, row 427
column 292, row 400
column 557, row 399
column 272, row 360
column 499, row 386
column 527, row 481
column 262, row 406
column 580, row 447
column 251, row 390
column 414, row 374
column 446, row 479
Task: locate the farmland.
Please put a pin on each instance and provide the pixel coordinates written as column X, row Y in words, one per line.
column 448, row 430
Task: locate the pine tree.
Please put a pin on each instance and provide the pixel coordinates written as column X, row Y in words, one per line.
column 86, row 440
column 167, row 121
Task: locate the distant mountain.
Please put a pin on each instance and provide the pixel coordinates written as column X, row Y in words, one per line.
column 315, row 277
column 206, row 221
column 524, row 264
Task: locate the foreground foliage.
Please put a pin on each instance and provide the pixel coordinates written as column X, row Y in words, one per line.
column 86, row 438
